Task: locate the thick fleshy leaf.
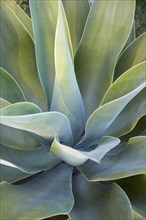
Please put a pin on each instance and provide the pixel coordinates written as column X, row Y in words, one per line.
column 58, row 217
column 121, row 93
column 11, row 174
column 135, row 189
column 20, row 108
column 66, row 97
column 39, row 198
column 46, row 125
column 132, row 55
column 4, row 103
column 18, row 56
column 124, row 161
column 75, row 157
column 97, row 201
column 24, row 18
column 10, row 90
column 31, row 161
column 76, row 11
column 132, row 36
column 14, row 137
column 44, row 19
column 104, row 37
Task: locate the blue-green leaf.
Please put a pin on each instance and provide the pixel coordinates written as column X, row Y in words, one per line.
column 45, row 125
column 125, row 160
column 18, row 56
column 132, row 55
column 4, row 103
column 76, row 12
column 66, row 97
column 104, row 37
column 97, row 201
column 76, row 157
column 28, row 161
column 10, row 90
column 47, row 195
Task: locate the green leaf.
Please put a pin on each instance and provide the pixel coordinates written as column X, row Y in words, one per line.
column 125, row 160
column 75, row 157
column 120, row 94
column 3, row 103
column 132, row 55
column 137, row 216
column 97, row 201
column 46, row 125
column 44, row 18
column 11, row 174
column 103, row 39
column 66, row 96
column 132, row 36
column 31, row 161
column 76, row 12
column 135, row 189
column 22, row 16
column 17, row 48
column 10, row 90
column 20, row 108
column 39, row 198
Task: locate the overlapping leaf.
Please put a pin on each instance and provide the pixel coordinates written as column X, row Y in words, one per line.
column 100, row 47
column 123, row 162
column 39, row 198
column 97, row 201
column 18, row 56
column 66, row 96
column 3, row 103
column 76, row 157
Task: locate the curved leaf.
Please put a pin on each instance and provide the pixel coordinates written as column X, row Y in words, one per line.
column 75, row 157
column 11, row 174
column 4, row 103
column 131, row 37
column 20, row 108
column 76, row 11
column 137, row 216
column 66, row 97
column 122, row 162
column 10, row 90
column 22, row 16
column 121, row 93
column 39, row 198
column 135, row 189
column 31, row 161
column 45, row 13
column 97, row 201
column 132, row 55
column 100, row 47
column 18, row 58
column 46, row 125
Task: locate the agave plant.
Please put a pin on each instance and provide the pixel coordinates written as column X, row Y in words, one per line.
column 72, row 111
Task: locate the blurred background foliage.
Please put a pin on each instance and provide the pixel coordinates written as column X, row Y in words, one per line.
column 140, row 17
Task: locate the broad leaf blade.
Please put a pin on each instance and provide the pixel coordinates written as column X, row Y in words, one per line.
column 31, row 161
column 46, row 125
column 122, row 162
column 10, row 90
column 45, row 13
column 18, row 58
column 97, row 201
column 76, row 12
column 18, row 200
column 66, row 97
column 22, row 16
column 76, row 157
column 135, row 189
column 134, row 54
column 104, row 37
column 11, row 174
column 120, row 94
